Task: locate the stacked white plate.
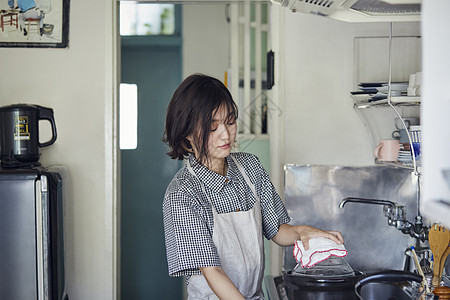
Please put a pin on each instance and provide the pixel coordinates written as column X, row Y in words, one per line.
column 404, row 156
column 396, row 88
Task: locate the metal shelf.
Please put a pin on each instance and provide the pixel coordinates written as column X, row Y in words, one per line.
column 375, row 125
column 409, row 166
column 362, row 101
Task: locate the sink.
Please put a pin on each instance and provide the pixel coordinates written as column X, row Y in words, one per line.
column 390, row 284
column 380, row 290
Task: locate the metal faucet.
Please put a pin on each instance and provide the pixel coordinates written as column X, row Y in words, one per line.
column 396, row 215
column 365, row 200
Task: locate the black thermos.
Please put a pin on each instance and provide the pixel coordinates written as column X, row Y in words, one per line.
column 19, row 132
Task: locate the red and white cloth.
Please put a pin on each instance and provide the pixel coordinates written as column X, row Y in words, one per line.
column 320, row 249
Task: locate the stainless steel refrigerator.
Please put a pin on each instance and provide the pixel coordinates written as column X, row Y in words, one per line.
column 31, row 234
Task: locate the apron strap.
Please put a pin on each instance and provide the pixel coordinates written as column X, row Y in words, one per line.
column 247, row 179
column 241, row 169
column 188, row 165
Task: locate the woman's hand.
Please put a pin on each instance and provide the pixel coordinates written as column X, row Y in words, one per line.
column 288, row 234
column 220, row 284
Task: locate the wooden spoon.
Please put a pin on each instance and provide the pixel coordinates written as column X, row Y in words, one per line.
column 438, row 237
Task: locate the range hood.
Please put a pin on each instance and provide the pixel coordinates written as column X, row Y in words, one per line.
column 358, row 10
column 343, row 10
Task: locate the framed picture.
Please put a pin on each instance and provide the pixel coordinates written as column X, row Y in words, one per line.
column 34, row 23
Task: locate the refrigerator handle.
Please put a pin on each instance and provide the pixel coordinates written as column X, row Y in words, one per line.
column 39, row 245
column 42, row 233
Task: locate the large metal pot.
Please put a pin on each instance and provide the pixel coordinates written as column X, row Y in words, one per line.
column 302, row 287
column 330, row 279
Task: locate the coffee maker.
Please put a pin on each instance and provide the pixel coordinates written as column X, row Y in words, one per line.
column 19, row 134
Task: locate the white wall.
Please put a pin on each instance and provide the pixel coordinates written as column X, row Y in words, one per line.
column 79, row 84
column 321, row 124
column 314, row 76
column 314, row 61
column 205, row 40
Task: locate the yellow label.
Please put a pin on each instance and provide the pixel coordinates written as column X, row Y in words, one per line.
column 21, row 128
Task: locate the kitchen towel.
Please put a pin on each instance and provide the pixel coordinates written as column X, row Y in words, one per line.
column 320, row 249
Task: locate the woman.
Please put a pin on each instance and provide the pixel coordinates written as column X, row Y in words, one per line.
column 220, row 204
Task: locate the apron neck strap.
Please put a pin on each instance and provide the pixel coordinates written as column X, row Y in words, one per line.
column 247, row 179
column 240, row 168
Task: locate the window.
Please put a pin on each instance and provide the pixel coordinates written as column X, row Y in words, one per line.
column 128, row 116
column 146, row 19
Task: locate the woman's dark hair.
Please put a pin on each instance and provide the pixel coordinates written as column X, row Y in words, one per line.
column 190, row 113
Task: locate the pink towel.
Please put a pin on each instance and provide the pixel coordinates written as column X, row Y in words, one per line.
column 319, row 250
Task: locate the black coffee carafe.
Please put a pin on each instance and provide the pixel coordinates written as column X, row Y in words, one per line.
column 19, row 134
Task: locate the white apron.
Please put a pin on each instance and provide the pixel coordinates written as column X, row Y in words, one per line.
column 238, row 238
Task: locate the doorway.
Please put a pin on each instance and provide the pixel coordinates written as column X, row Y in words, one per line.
column 154, row 65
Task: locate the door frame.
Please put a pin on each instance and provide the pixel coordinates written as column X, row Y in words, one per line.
column 174, row 40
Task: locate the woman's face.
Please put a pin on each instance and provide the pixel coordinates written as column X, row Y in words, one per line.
column 221, row 137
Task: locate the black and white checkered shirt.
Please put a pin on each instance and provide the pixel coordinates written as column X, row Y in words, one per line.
column 188, row 216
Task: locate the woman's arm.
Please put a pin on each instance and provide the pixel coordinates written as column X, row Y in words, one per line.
column 220, row 284
column 288, row 234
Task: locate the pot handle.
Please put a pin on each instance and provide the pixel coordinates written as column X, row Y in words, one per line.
column 47, row 114
column 389, row 276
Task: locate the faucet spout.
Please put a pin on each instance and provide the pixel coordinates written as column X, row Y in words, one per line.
column 396, row 215
column 366, row 201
